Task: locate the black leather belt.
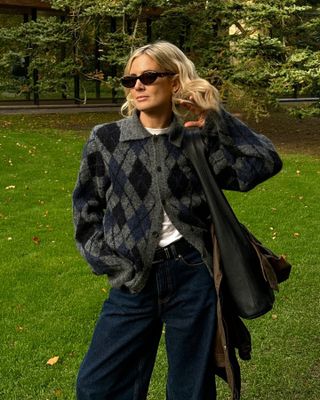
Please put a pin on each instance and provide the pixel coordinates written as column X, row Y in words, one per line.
column 173, row 250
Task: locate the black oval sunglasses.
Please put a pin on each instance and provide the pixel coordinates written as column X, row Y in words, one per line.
column 147, row 78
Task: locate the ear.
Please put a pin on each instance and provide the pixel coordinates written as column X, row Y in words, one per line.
column 175, row 84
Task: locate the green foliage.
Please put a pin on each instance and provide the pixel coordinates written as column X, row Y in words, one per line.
column 116, row 47
column 299, row 73
column 257, row 50
column 39, row 44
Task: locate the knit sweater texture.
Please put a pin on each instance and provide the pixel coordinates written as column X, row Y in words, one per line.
column 127, row 177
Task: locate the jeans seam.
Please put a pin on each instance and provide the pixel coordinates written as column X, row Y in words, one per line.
column 137, row 384
column 164, row 272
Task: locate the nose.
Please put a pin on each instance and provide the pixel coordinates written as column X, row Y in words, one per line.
column 139, row 85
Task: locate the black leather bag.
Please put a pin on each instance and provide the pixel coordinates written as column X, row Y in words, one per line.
column 251, row 271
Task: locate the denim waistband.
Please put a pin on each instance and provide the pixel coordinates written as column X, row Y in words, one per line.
column 173, row 250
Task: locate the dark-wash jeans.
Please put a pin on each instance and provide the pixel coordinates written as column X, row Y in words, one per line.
column 180, row 294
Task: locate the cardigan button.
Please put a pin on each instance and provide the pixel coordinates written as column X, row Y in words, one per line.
column 159, row 169
column 155, row 234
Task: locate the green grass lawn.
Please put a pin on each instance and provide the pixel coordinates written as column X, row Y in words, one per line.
column 50, row 300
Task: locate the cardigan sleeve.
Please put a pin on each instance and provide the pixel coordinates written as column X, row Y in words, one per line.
column 89, row 204
column 240, row 157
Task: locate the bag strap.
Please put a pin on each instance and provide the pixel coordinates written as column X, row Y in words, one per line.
column 218, row 204
column 228, row 229
column 194, row 146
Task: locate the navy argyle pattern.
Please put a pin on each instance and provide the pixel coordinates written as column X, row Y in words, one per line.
column 128, row 177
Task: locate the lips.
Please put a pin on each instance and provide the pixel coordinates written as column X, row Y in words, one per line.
column 141, row 98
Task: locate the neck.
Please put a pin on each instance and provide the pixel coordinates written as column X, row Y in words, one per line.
column 155, row 121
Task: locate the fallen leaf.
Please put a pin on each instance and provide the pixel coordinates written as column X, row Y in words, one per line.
column 19, row 328
column 36, row 240
column 58, row 392
column 274, row 316
column 296, row 234
column 10, row 187
column 53, row 360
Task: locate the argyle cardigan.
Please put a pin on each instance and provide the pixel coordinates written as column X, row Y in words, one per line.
column 128, row 177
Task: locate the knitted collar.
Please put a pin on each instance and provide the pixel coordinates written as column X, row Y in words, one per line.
column 132, row 129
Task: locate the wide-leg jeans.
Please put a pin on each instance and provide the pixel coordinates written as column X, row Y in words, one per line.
column 118, row 365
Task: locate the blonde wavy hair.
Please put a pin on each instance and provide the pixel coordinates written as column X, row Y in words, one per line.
column 170, row 58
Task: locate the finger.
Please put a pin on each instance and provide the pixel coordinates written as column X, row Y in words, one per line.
column 186, row 104
column 194, row 124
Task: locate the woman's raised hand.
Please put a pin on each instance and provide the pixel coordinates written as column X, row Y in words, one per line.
column 199, row 113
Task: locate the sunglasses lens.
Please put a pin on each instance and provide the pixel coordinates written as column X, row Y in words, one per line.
column 148, row 77
column 129, row 81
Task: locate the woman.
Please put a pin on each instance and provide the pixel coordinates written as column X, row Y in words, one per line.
column 141, row 218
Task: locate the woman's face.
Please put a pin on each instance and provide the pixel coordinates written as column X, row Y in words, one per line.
column 154, row 100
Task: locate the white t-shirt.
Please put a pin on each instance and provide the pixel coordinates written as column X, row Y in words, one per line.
column 169, row 232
